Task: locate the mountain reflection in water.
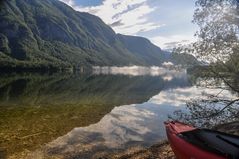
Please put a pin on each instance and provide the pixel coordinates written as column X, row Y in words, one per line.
column 88, row 115
column 38, row 108
column 137, row 125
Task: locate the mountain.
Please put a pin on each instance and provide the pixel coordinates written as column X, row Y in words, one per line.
column 44, row 34
column 144, row 49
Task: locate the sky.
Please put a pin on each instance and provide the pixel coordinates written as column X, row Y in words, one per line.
column 166, row 23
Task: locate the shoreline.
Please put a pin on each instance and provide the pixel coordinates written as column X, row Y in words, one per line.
column 163, row 150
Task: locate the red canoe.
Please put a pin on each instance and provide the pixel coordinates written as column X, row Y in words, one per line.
column 188, row 142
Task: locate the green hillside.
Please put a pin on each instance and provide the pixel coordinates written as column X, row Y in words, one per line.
column 48, row 34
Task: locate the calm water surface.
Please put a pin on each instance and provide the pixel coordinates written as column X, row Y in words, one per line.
column 89, row 115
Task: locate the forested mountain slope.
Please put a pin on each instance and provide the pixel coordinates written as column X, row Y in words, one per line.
column 50, row 34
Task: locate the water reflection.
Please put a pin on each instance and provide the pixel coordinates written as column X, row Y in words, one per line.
column 82, row 108
column 139, row 71
column 215, row 106
column 126, row 126
column 180, row 96
column 33, row 104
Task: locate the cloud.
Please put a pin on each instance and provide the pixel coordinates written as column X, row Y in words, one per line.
column 170, row 42
column 117, row 23
column 144, row 18
column 124, row 16
column 69, row 2
column 175, row 44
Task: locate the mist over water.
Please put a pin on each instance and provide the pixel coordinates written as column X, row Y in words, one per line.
column 139, row 71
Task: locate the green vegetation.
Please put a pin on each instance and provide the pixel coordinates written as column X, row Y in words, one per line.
column 218, row 40
column 183, row 59
column 218, row 45
column 51, row 35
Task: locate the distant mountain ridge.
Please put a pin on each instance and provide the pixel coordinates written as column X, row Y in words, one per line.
column 50, row 34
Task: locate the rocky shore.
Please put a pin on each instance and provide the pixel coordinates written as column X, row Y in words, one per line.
column 158, row 151
column 163, row 149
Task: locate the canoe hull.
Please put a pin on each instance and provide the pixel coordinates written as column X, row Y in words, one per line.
column 183, row 149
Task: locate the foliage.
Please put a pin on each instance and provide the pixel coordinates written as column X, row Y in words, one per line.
column 218, row 41
column 49, row 33
column 218, row 45
column 183, row 59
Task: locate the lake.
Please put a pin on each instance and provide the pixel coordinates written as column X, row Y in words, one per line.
column 89, row 115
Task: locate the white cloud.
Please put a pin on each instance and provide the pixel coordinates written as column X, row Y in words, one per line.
column 69, row 2
column 169, row 42
column 133, row 15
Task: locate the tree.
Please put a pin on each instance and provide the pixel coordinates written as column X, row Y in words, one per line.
column 217, row 44
column 218, row 21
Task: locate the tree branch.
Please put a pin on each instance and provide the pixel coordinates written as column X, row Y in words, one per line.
column 228, row 105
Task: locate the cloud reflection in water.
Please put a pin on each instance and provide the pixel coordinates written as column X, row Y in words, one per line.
column 124, row 126
column 128, row 125
column 179, row 96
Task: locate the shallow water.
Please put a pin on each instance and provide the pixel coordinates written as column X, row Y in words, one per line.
column 88, row 115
